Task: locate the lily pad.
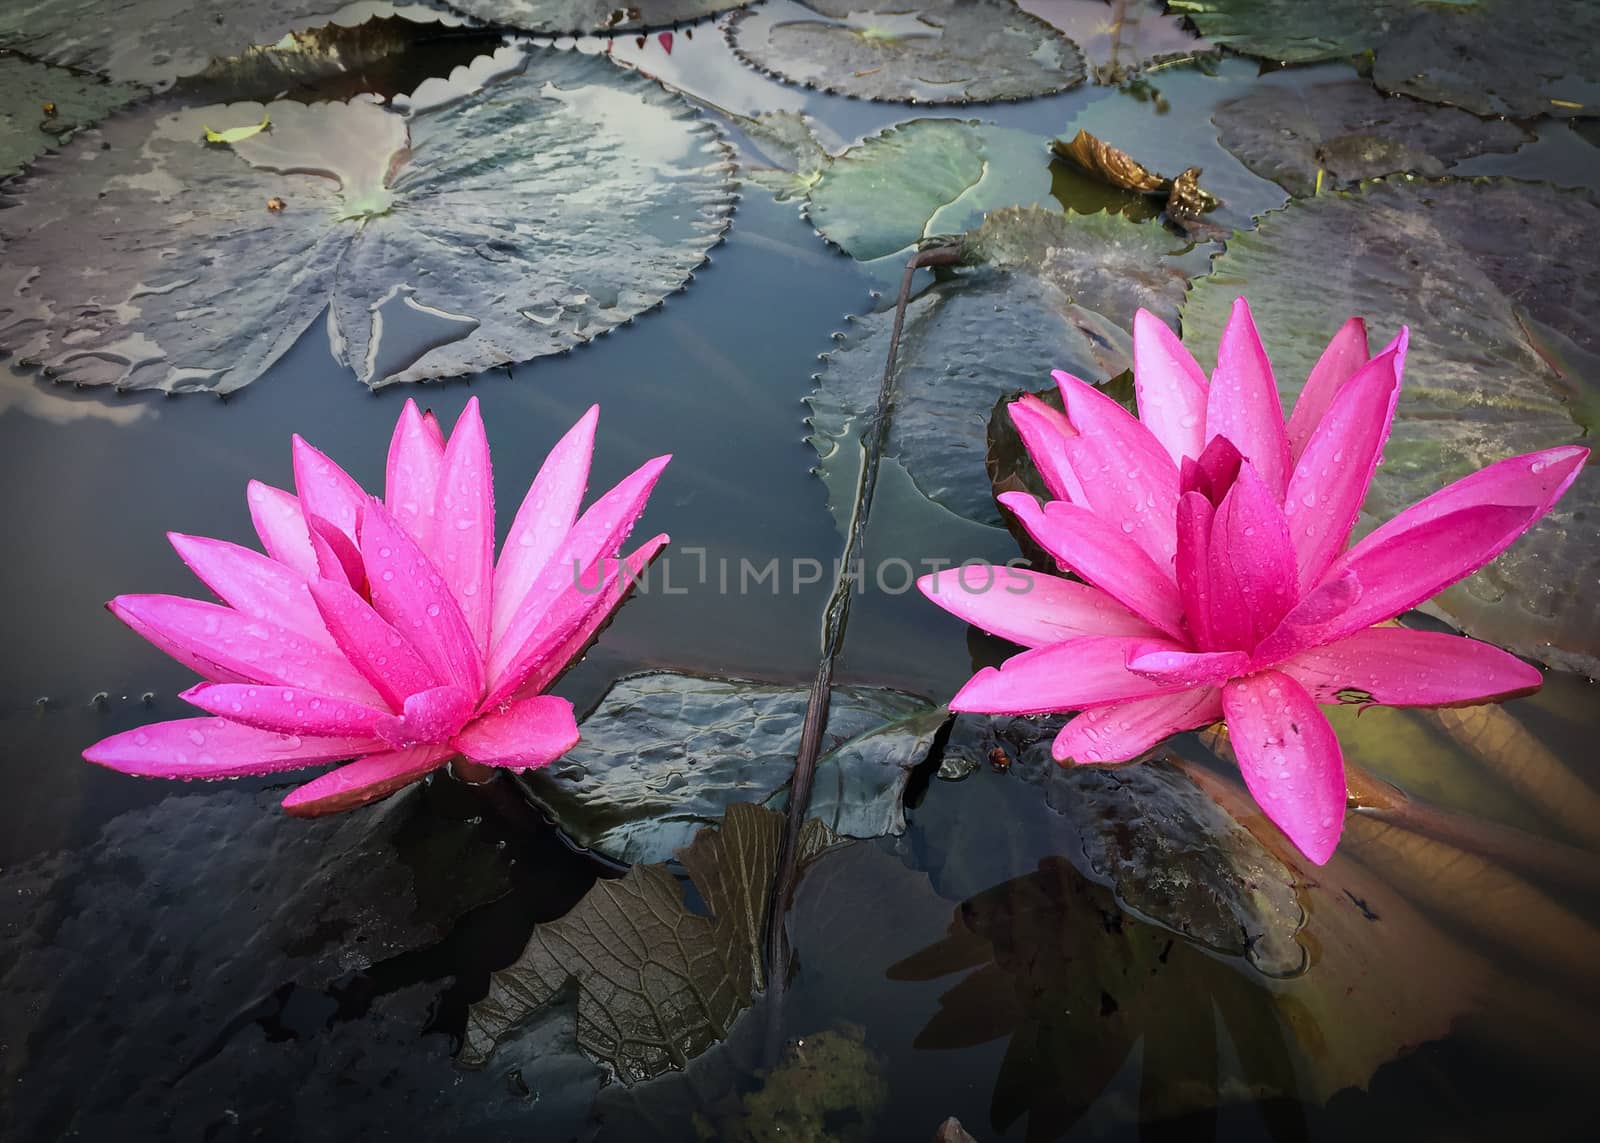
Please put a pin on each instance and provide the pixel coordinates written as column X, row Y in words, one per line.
column 577, row 17
column 657, row 984
column 1348, row 132
column 42, row 107
column 932, row 51
column 1493, row 57
column 1156, row 902
column 665, row 754
column 458, row 216
column 1494, row 279
column 1046, row 291
column 911, row 181
column 155, row 42
column 1120, row 39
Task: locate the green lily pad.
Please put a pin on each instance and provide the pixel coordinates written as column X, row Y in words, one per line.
column 1152, row 902
column 1494, row 279
column 1348, row 132
column 578, row 17
column 27, row 89
column 911, row 181
column 657, row 984
column 155, row 42
column 1046, row 291
column 1119, row 40
column 1493, row 57
column 932, row 51
column 457, row 217
column 665, row 754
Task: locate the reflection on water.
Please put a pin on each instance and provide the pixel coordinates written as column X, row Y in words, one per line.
column 185, row 962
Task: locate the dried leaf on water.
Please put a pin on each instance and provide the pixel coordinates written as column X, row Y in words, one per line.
column 657, row 984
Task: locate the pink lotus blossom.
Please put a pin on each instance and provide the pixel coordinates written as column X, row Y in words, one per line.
column 1210, row 537
column 383, row 630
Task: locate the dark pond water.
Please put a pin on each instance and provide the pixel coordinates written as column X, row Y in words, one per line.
column 185, row 962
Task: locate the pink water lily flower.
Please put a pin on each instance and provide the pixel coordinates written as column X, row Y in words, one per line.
column 1210, row 536
column 384, row 631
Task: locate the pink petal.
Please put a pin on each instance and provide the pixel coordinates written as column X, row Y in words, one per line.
column 1126, row 730
column 1252, row 563
column 431, row 716
column 1336, row 466
column 178, row 648
column 409, row 592
column 1128, row 478
column 249, row 650
column 1028, row 607
column 544, row 519
column 526, row 734
column 217, row 748
column 1075, row 675
column 1534, row 480
column 548, row 666
column 1170, row 386
column 1290, row 759
column 598, row 534
column 463, row 535
column 1196, row 519
column 365, row 780
column 1104, row 555
column 1397, row 667
column 416, row 454
column 1310, row 621
column 1213, row 474
column 252, row 584
column 1172, row 668
column 1045, row 432
column 1346, row 353
column 282, row 527
column 385, row 658
column 430, row 425
column 1243, row 403
column 337, row 555
column 325, row 489
column 1418, row 563
column 286, row 710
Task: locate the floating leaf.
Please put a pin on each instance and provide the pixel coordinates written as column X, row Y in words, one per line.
column 1351, row 132
column 657, row 984
column 665, row 754
column 41, row 107
column 1136, row 915
column 1493, row 279
column 934, row 51
column 1493, row 57
column 922, row 178
column 1050, row 291
column 1185, row 200
column 154, row 42
column 1119, row 38
column 237, row 134
column 575, row 17
column 441, row 242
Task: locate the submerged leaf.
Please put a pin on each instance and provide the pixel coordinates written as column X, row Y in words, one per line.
column 1047, row 291
column 41, row 107
column 1494, row 279
column 932, row 51
column 657, row 984
column 154, row 42
column 665, row 754
column 1351, row 132
column 237, row 134
column 441, row 242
